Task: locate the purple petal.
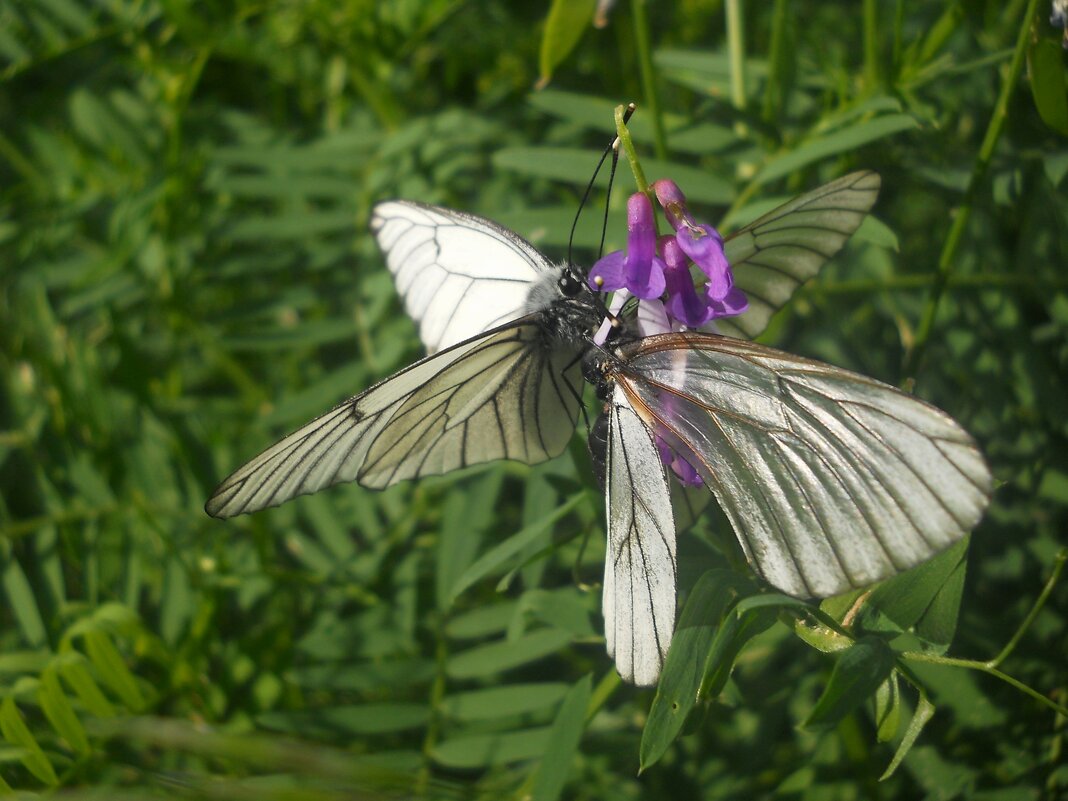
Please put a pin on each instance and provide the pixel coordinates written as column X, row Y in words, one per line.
column 673, row 202
column 704, row 245
column 644, row 272
column 734, row 302
column 610, row 269
column 683, row 303
column 641, row 227
column 683, row 470
column 645, row 279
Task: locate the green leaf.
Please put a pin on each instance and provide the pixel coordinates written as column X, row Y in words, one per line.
column 858, row 672
column 112, row 669
column 465, row 518
column 481, row 750
column 73, row 668
column 738, row 628
column 486, row 660
column 924, row 712
column 836, row 143
column 57, row 708
column 363, row 676
column 14, row 729
column 480, row 621
column 1048, row 85
column 574, row 166
column 353, row 720
column 499, row 702
column 564, row 737
column 497, row 556
column 567, row 21
column 709, row 600
column 899, row 603
column 21, row 599
column 938, row 623
column 566, row 608
column 888, row 709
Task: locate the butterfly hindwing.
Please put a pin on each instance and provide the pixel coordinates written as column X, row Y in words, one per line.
column 459, row 275
column 640, row 568
column 775, row 254
column 831, row 480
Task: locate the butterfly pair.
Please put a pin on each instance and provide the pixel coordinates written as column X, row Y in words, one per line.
column 831, row 480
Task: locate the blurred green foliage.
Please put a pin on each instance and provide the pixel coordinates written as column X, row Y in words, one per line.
column 186, row 274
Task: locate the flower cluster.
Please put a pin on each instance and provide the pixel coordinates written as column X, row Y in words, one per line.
column 652, row 267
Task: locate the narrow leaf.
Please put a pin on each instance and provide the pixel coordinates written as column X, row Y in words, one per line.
column 57, row 708
column 495, row 557
column 15, row 731
column 76, row 674
column 21, row 601
column 888, row 709
column 112, row 669
column 485, row 660
column 709, row 600
column 1046, row 61
column 480, row 750
column 924, row 712
column 564, row 737
column 567, row 21
column 857, row 674
column 840, row 141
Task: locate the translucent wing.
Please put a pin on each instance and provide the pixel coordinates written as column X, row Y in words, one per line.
column 502, row 395
column 831, row 480
column 639, row 570
column 459, row 274
column 773, row 255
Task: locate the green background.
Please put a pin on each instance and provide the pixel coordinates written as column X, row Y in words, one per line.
column 186, row 275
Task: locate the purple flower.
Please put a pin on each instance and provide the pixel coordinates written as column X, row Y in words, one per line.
column 734, row 302
column 638, row 269
column 701, row 242
column 683, row 470
column 641, row 272
column 683, row 303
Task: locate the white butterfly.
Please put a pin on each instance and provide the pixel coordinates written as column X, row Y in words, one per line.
column 830, row 480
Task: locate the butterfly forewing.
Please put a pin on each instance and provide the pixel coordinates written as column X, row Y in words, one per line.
column 421, row 421
column 639, row 570
column 514, row 398
column 830, row 480
column 773, row 255
column 459, row 274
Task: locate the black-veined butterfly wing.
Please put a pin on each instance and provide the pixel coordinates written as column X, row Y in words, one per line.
column 459, row 274
column 831, row 480
column 639, row 571
column 771, row 257
column 778, row 252
column 501, row 395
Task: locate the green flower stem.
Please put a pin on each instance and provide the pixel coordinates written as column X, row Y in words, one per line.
column 775, row 89
column 736, row 51
column 627, row 143
column 648, row 74
column 871, row 44
column 1058, row 566
column 985, row 667
column 947, row 260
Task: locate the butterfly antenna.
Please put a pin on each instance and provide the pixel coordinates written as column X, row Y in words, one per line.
column 611, row 150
